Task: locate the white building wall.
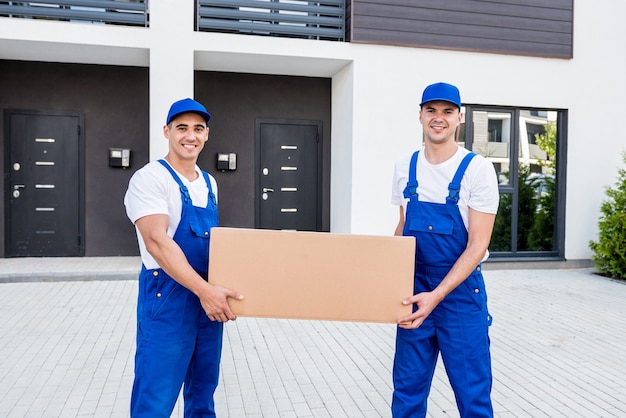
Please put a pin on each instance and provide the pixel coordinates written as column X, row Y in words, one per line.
column 596, row 86
column 171, row 64
column 342, row 132
column 375, row 97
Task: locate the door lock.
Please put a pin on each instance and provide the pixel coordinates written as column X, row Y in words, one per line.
column 16, row 190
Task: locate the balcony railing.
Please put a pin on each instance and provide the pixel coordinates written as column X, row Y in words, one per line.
column 323, row 20
column 120, row 12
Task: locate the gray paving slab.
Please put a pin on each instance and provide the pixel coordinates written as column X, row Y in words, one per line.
column 54, row 269
column 558, row 341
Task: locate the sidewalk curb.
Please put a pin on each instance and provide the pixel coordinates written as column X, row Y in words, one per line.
column 67, row 276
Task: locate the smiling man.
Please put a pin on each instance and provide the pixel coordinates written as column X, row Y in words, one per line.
column 450, row 198
column 180, row 316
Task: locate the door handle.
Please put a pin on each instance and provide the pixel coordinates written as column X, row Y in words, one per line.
column 18, row 186
column 267, row 190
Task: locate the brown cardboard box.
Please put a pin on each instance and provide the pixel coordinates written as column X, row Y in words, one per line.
column 313, row 275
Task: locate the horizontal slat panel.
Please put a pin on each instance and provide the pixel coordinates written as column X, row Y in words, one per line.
column 427, row 28
column 270, row 17
column 103, row 4
column 529, row 27
column 466, row 18
column 101, row 11
column 545, row 9
column 468, row 44
column 50, row 12
column 294, row 18
column 266, row 29
column 322, row 7
column 555, row 4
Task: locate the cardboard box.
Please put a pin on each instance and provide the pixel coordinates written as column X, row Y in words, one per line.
column 313, row 275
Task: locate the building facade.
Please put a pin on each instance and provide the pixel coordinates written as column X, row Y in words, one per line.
column 312, row 104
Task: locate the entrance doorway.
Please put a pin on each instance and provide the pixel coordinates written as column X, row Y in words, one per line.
column 288, row 178
column 44, row 192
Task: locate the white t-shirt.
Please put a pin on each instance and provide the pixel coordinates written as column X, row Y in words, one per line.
column 479, row 186
column 152, row 190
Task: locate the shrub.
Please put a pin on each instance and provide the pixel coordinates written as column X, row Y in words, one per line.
column 610, row 249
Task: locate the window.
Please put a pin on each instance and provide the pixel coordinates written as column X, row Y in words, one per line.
column 526, row 147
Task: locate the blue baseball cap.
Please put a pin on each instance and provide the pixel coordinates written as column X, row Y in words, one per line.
column 442, row 91
column 187, row 105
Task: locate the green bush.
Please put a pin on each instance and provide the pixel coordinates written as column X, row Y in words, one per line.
column 610, row 249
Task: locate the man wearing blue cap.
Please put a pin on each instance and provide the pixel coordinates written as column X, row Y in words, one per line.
column 450, row 197
column 180, row 316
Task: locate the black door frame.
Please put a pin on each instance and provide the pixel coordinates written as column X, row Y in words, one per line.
column 257, row 165
column 81, row 168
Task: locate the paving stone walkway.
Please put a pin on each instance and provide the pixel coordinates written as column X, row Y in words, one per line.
column 558, row 347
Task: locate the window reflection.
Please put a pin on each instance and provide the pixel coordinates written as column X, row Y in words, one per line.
column 501, row 239
column 534, row 149
column 536, row 181
column 521, row 144
column 492, row 139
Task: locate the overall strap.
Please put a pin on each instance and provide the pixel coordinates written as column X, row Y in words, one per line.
column 455, row 186
column 183, row 188
column 212, row 199
column 411, row 185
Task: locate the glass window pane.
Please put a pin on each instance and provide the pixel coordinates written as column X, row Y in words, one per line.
column 522, row 145
column 535, row 223
column 536, row 180
column 501, row 236
column 492, row 139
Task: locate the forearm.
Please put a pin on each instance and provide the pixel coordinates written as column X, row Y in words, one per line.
column 479, row 236
column 400, row 227
column 171, row 258
column 173, row 261
column 214, row 299
column 462, row 268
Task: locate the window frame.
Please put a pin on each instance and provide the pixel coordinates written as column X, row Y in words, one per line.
column 558, row 253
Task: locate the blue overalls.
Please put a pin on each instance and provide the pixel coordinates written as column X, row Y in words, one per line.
column 176, row 341
column 457, row 327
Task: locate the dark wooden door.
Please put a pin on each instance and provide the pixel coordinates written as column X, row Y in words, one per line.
column 288, row 175
column 43, row 192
